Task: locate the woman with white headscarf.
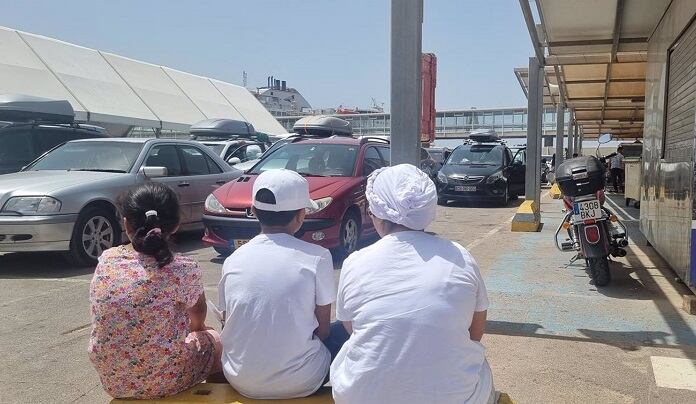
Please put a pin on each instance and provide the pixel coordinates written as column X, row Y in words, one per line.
column 414, row 304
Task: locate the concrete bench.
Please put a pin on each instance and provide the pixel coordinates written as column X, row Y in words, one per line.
column 223, row 393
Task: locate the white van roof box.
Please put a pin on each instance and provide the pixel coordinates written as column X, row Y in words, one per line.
column 322, row 125
column 26, row 108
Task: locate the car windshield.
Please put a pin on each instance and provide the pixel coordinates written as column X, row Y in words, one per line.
column 117, row 157
column 217, row 147
column 314, row 160
column 478, row 154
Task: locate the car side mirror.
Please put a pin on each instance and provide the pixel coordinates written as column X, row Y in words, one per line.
column 234, row 160
column 153, row 172
column 517, row 163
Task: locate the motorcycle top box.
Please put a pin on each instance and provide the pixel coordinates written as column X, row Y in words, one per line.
column 580, row 176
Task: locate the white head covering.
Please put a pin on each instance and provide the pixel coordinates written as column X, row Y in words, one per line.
column 402, row 194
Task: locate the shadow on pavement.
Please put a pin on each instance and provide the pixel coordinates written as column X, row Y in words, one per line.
column 483, row 204
column 623, row 285
column 684, row 335
column 625, row 340
column 38, row 265
column 54, row 265
column 188, row 241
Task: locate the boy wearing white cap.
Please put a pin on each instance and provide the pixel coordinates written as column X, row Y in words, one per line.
column 277, row 292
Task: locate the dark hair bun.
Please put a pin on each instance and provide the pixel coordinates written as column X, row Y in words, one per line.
column 152, row 209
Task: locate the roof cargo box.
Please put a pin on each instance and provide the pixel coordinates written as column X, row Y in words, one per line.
column 26, row 108
column 580, row 176
column 484, row 136
column 323, row 126
column 222, row 128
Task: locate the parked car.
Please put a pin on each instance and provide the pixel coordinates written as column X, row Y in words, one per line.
column 237, row 151
column 427, row 163
column 35, row 125
column 483, row 168
column 234, row 140
column 64, row 201
column 439, row 155
column 336, row 166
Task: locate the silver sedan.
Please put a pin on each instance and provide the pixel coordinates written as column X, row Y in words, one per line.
column 65, row 200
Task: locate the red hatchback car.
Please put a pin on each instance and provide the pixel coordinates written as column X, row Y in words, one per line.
column 336, row 168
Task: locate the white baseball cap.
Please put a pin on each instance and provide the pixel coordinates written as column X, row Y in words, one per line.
column 290, row 189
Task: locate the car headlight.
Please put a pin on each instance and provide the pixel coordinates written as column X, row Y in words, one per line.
column 32, row 205
column 321, row 205
column 494, row 177
column 441, row 177
column 213, row 205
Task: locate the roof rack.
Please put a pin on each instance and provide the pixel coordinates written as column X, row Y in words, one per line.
column 322, row 126
column 222, row 128
column 484, row 136
column 29, row 109
column 365, row 139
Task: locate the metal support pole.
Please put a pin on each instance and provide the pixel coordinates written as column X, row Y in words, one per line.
column 571, row 125
column 560, row 128
column 406, row 87
column 534, row 110
column 576, row 137
column 581, row 139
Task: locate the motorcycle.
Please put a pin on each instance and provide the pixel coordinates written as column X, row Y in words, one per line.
column 594, row 232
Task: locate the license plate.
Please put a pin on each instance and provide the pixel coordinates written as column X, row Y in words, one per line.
column 239, row 243
column 464, row 188
column 587, row 210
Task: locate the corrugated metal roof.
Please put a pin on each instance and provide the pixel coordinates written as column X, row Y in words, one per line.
column 596, row 52
column 114, row 91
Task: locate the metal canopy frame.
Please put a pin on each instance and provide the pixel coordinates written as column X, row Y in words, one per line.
column 595, row 61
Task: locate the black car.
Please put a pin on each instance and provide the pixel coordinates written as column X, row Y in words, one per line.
column 481, row 170
column 21, row 143
column 33, row 125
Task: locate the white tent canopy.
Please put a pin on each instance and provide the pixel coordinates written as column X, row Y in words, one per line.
column 119, row 93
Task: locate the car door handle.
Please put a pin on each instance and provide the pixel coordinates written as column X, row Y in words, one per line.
column 184, row 184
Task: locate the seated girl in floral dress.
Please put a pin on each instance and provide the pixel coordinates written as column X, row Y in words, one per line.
column 148, row 306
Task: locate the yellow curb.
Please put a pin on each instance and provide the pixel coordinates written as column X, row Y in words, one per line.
column 527, row 218
column 555, row 192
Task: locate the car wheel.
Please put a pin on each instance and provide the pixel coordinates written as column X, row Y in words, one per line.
column 225, row 252
column 95, row 231
column 441, row 201
column 349, row 236
column 503, row 201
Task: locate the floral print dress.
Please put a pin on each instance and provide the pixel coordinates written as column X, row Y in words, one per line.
column 141, row 344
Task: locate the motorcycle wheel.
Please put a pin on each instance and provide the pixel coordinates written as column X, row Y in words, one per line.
column 599, row 271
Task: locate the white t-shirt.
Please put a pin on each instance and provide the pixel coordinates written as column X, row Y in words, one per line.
column 411, row 297
column 269, row 290
column 616, row 160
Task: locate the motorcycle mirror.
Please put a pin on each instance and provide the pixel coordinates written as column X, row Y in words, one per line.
column 605, row 138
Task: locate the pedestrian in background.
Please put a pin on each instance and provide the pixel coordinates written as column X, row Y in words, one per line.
column 617, row 170
column 414, row 303
column 149, row 338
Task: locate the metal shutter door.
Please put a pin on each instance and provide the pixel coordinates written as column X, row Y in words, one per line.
column 681, row 109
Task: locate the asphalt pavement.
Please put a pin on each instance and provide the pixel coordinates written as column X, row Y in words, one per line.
column 552, row 336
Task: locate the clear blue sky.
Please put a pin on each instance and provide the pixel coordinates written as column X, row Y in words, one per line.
column 334, row 52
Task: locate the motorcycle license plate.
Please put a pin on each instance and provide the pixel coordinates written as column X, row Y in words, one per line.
column 464, row 188
column 587, row 210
